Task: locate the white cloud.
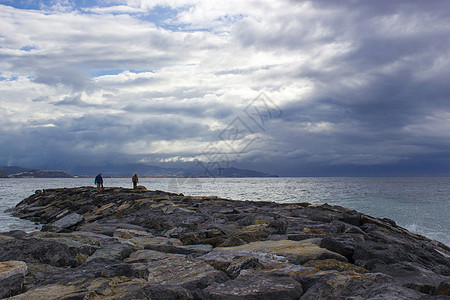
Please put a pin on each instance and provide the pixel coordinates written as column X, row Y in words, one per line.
column 335, row 70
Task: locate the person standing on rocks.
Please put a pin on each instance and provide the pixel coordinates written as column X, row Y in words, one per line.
column 135, row 180
column 99, row 181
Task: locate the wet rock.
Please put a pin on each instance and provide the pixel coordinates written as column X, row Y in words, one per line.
column 12, row 274
column 255, row 287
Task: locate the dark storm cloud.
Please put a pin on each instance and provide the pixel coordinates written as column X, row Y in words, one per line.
column 363, row 85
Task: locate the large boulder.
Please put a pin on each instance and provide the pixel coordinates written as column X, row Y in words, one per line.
column 12, row 274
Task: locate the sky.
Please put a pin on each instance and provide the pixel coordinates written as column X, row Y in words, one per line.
column 286, row 87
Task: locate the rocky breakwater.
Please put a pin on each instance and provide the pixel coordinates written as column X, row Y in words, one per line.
column 138, row 244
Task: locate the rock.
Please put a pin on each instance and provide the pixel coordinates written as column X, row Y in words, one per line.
column 240, row 263
column 182, row 249
column 131, row 233
column 255, row 287
column 112, row 251
column 336, row 246
column 150, row 255
column 365, row 286
column 154, row 243
column 294, row 251
column 108, row 228
column 107, row 288
column 69, row 221
column 332, row 264
column 126, row 244
column 33, row 250
column 443, row 289
column 12, row 274
column 221, row 258
column 77, row 239
column 190, row 274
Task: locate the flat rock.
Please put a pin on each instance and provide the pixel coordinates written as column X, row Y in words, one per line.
column 190, row 274
column 113, row 251
column 295, row 251
column 69, row 220
column 255, row 287
column 150, row 255
column 221, row 258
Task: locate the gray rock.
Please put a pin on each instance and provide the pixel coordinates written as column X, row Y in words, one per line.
column 190, row 274
column 221, row 259
column 69, row 220
column 182, row 249
column 150, row 255
column 12, row 275
column 255, row 288
column 363, row 286
column 242, row 262
column 141, row 244
column 112, row 251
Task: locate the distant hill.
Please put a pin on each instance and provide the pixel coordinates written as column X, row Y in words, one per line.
column 3, row 175
column 19, row 172
column 230, row 172
column 13, row 170
column 129, row 170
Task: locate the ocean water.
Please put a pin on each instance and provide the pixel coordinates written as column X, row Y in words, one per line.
column 422, row 205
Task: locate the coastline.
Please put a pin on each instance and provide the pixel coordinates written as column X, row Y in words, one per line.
column 418, row 204
column 208, row 248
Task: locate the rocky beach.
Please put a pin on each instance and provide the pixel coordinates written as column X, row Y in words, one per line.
column 139, row 244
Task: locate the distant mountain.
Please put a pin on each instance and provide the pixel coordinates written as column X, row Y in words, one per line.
column 3, row 175
column 129, row 170
column 13, row 170
column 19, row 172
column 230, row 172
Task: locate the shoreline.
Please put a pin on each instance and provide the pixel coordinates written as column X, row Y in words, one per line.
column 223, row 245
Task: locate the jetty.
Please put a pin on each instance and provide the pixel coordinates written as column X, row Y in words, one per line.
column 122, row 243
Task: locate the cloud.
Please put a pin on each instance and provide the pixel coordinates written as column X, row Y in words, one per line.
column 360, row 84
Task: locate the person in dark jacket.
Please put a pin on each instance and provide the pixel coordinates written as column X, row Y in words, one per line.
column 135, row 180
column 99, row 181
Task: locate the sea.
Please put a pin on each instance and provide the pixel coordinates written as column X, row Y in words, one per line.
column 421, row 205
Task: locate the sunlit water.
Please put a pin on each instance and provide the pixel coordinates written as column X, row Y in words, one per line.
column 419, row 204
